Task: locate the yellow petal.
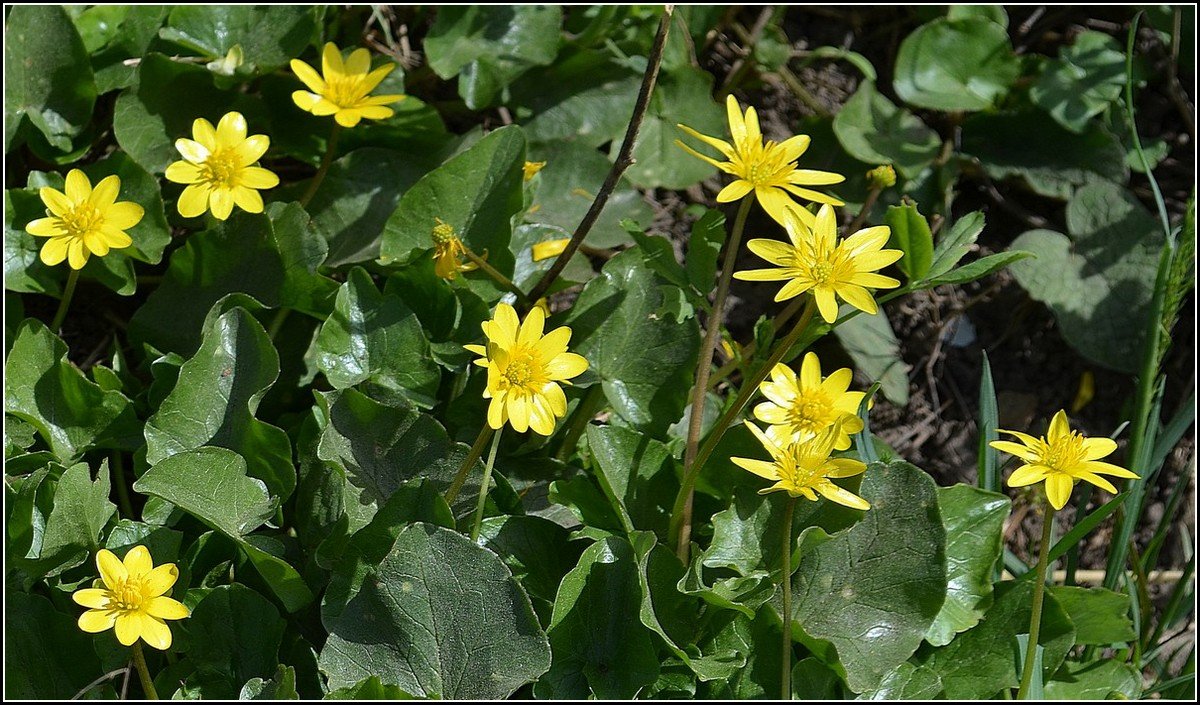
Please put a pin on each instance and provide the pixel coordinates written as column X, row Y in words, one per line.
column 857, row 297
column 77, row 254
column 155, row 632
column 231, row 130
column 566, row 366
column 375, row 112
column 78, row 187
column 737, row 125
column 1023, row 452
column 1102, row 468
column 359, row 62
column 128, row 627
column 794, row 147
column 844, row 497
column 762, row 275
column 774, row 251
column 793, row 288
column 191, row 150
column 1058, row 489
column 347, row 117
column 875, row 281
column 252, row 149
column 556, row 400
column 54, row 250
column 518, row 413
column 774, row 201
column 96, row 243
column 204, row 133
column 505, row 325
column 826, row 303
column 116, row 239
column 123, row 215
column 496, row 416
column 837, row 382
column 373, row 79
column 1028, row 475
column 734, row 191
column 220, row 201
column 193, row 201
column 1097, row 481
column 91, row 597
column 160, row 579
column 1059, row 427
column 541, row 420
column 845, row 467
column 46, row 227
column 307, row 101
column 812, row 177
column 248, row 200
column 183, row 172
column 1096, row 448
column 165, row 608
column 55, row 200
column 331, row 61
column 138, row 561
column 257, row 177
column 554, row 343
column 761, row 468
column 531, row 330
column 105, row 193
column 549, row 248
column 309, row 76
column 95, row 621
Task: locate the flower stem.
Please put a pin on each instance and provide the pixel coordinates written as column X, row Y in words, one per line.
column 483, row 488
column 681, row 513
column 481, row 440
column 499, row 278
column 1035, row 612
column 708, row 347
column 116, row 471
column 139, row 662
column 65, row 302
column 588, row 406
column 326, row 162
column 785, row 580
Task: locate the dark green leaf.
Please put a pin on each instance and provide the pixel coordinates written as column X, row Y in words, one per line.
column 910, row 234
column 233, row 635
column 906, row 682
column 1106, row 679
column 974, row 523
column 585, row 96
column 873, row 130
column 681, row 96
column 72, row 530
column 637, row 474
column 47, row 76
column 369, row 688
column 23, row 271
column 282, row 686
column 46, row 656
column 1086, row 78
column 536, row 550
column 215, row 399
column 268, row 35
column 704, row 247
column 462, row 626
column 212, row 485
column 962, row 64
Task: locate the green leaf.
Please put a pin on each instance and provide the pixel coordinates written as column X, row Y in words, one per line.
column 815, row 680
column 536, row 550
column 487, row 47
column 70, row 413
column 906, row 682
column 599, row 648
column 1099, row 280
column 47, row 76
column 704, row 247
column 567, row 186
column 163, row 543
column 466, row 625
column 994, row 13
column 233, row 635
column 1052, row 161
column 873, row 130
column 982, row 661
column 369, row 688
column 1100, row 616
column 637, row 474
column 374, row 338
column 212, row 485
column 23, row 270
column 138, row 27
column 980, row 268
column 72, row 530
column 910, row 234
column 46, row 656
column 1098, row 680
column 215, row 398
column 271, row 257
column 281, row 686
column 951, row 65
column 476, row 192
column 873, row 590
column 1088, row 76
column 974, row 524
column 954, row 243
column 585, row 96
column 872, row 344
column 681, row 96
column 268, row 35
column 641, row 353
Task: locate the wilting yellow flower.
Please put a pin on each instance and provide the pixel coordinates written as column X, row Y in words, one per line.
column 524, row 369
column 798, row 409
column 804, row 469
column 549, row 248
column 766, row 168
column 448, row 252
column 816, row 261
column 1060, row 458
column 532, row 168
column 84, row 221
column 342, row 88
column 133, row 598
column 218, row 167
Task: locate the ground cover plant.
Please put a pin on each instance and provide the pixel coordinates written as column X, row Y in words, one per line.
column 548, row 352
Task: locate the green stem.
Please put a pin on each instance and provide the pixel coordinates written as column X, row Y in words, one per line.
column 65, row 302
column 326, row 162
column 139, row 662
column 277, row 322
column 483, row 488
column 587, row 408
column 499, row 278
column 786, row 584
column 1035, row 612
column 704, row 364
column 681, row 513
column 116, row 471
column 481, row 440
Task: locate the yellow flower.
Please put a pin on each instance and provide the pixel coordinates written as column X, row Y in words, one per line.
column 804, row 469
column 524, row 369
column 84, row 221
column 799, row 409
column 448, row 252
column 549, row 248
column 532, row 168
column 1060, row 458
column 218, row 167
column 766, row 168
column 816, row 261
column 132, row 599
column 342, row 88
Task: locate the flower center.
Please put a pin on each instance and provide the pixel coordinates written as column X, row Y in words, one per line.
column 344, row 90
column 82, row 219
column 520, row 370
column 1064, row 453
column 822, row 272
column 811, row 412
column 221, row 168
column 128, row 595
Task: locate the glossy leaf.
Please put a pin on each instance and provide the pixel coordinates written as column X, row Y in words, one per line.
column 961, row 64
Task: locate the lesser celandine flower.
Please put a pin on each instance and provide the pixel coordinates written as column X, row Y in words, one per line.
column 815, row 261
column 764, row 167
column 133, row 599
column 1061, row 457
column 524, row 369
column 448, row 252
column 805, row 469
column 549, row 248
column 219, row 168
column 84, row 221
column 799, row 408
column 342, row 89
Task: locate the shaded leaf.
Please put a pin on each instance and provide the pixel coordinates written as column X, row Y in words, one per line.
column 47, row 76
column 873, row 130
